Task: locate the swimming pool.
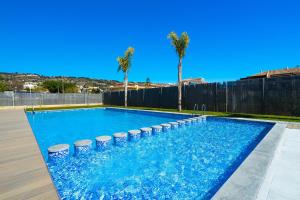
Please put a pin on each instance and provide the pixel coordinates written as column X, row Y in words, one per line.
column 186, row 163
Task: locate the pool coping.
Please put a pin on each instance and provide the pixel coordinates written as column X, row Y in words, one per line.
column 246, row 181
column 153, row 111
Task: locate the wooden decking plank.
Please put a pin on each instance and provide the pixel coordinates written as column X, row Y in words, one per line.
column 23, row 173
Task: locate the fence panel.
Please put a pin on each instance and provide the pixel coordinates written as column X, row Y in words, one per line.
column 282, row 96
column 168, row 97
column 221, row 99
column 246, row 96
column 152, row 97
column 21, row 99
column 262, row 96
column 132, row 98
column 94, row 98
column 6, row 99
column 200, row 94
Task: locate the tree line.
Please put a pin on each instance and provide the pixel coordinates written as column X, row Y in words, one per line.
column 52, row 86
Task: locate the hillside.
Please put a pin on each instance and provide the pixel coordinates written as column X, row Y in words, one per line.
column 16, row 81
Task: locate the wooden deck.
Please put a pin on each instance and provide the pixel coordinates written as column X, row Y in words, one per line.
column 23, row 173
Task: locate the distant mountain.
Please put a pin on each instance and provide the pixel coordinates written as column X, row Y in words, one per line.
column 15, row 81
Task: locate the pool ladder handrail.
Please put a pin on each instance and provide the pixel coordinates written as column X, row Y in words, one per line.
column 196, row 108
column 203, row 109
column 26, row 107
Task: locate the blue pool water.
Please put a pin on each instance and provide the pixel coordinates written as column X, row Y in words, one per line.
column 186, row 163
column 67, row 126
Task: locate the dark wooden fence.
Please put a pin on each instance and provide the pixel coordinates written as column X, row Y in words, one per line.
column 279, row 96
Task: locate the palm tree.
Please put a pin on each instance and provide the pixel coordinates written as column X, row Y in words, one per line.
column 180, row 44
column 148, row 82
column 124, row 65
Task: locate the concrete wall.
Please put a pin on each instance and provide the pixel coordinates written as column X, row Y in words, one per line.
column 262, row 96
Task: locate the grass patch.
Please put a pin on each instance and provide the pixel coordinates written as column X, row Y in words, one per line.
column 41, row 108
column 224, row 114
column 266, row 117
column 219, row 114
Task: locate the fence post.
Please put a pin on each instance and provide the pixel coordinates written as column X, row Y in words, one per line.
column 263, row 96
column 226, row 93
column 30, row 97
column 13, row 99
column 184, row 105
column 160, row 96
column 143, row 97
column 216, row 98
column 85, row 101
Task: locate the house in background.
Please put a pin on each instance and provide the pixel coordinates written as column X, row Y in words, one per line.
column 193, row 81
column 276, row 73
column 30, row 85
column 120, row 87
column 137, row 86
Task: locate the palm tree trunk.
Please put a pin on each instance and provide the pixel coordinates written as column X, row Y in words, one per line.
column 179, row 83
column 125, row 91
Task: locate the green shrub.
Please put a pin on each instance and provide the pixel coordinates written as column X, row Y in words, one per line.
column 59, row 86
column 3, row 86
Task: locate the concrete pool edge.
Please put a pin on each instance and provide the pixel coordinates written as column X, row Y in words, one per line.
column 151, row 111
column 248, row 178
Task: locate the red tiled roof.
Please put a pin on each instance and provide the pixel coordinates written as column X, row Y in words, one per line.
column 276, row 73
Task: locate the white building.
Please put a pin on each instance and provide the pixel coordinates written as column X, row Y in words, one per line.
column 30, row 85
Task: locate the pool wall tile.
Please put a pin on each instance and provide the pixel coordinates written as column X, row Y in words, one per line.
column 58, row 151
column 82, row 146
column 134, row 135
column 146, row 132
column 120, row 139
column 156, row 129
column 174, row 125
column 103, row 142
column 166, row 127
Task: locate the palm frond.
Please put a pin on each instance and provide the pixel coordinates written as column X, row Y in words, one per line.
column 125, row 62
column 120, row 61
column 180, row 44
column 129, row 52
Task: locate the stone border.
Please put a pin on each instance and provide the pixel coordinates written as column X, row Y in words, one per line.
column 247, row 179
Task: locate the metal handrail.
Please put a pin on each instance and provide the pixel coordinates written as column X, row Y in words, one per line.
column 203, row 109
column 196, row 107
column 33, row 112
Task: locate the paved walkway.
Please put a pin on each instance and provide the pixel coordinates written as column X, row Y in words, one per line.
column 283, row 178
column 245, row 182
column 23, row 173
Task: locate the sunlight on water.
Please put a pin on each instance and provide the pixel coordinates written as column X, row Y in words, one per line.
column 187, row 163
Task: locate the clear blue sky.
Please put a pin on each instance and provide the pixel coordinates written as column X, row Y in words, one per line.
column 229, row 39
